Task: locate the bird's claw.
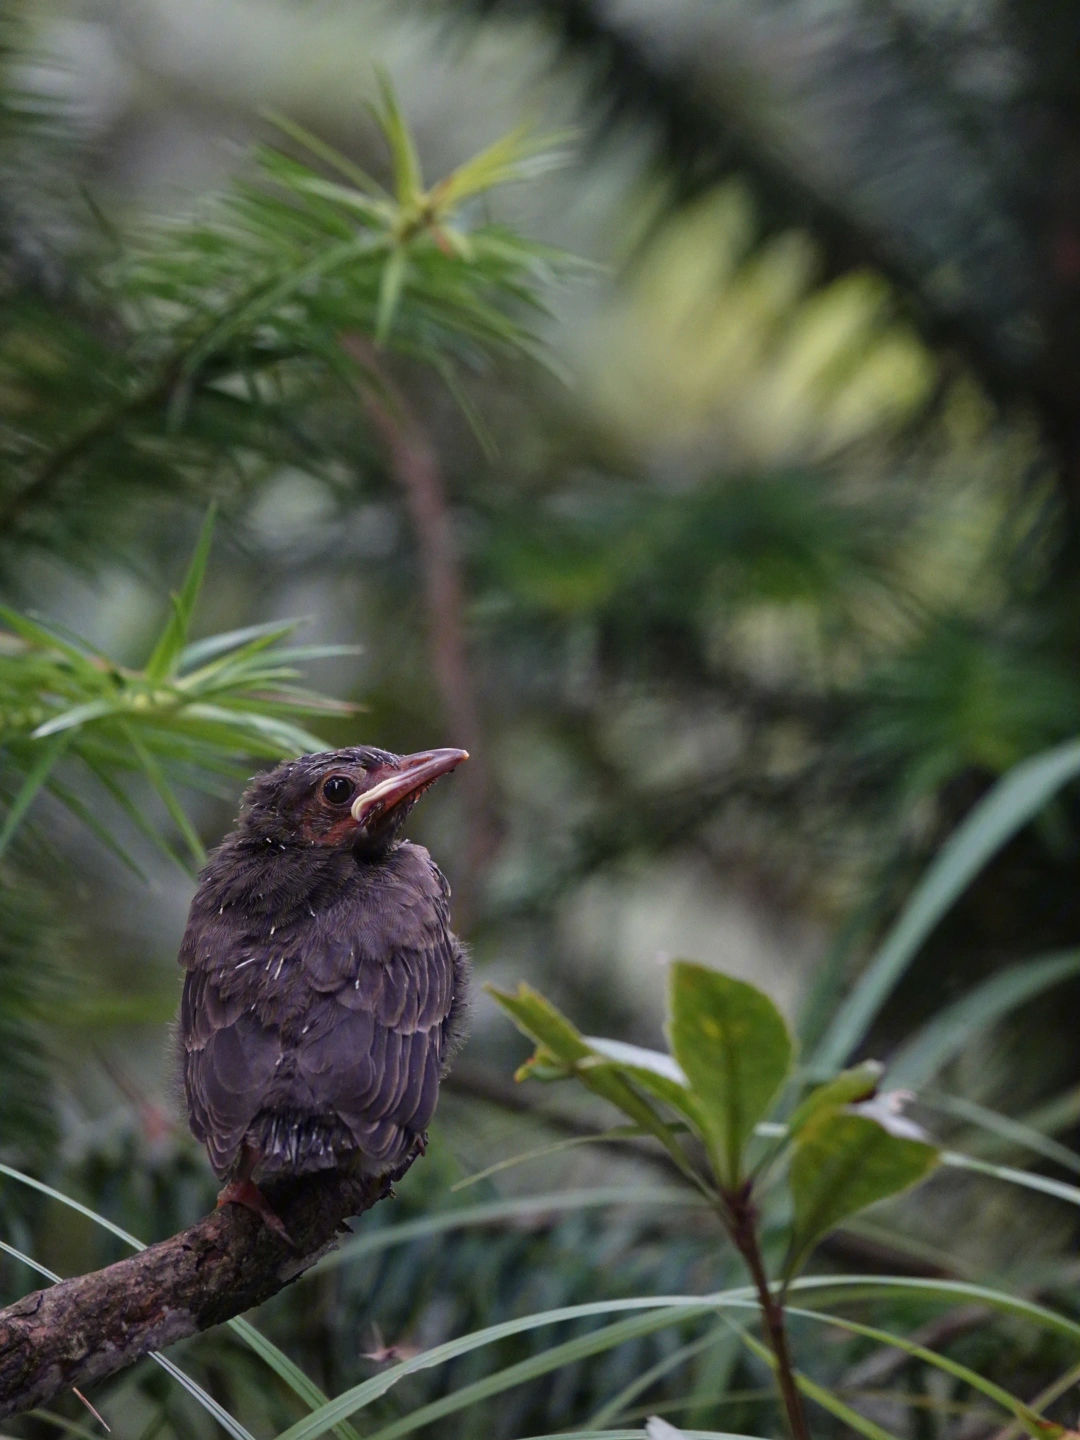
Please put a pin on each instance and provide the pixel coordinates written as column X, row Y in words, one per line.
column 248, row 1194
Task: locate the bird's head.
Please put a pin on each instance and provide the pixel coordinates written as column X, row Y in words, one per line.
column 355, row 799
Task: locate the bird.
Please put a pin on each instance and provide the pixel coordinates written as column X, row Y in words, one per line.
column 324, row 991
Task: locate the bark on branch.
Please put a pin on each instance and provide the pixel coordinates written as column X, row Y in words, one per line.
column 85, row 1329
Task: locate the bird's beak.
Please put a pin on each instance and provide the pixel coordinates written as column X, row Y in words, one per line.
column 416, row 772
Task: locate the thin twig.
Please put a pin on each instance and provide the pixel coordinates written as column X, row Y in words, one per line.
column 741, row 1223
column 417, row 470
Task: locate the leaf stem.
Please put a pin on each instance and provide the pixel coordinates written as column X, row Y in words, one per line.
column 740, row 1220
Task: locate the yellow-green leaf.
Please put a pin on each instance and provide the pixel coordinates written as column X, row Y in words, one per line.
column 842, row 1163
column 735, row 1050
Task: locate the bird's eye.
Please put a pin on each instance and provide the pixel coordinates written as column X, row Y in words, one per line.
column 338, row 789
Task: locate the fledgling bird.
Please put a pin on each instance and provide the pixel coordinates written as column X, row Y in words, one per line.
column 324, row 992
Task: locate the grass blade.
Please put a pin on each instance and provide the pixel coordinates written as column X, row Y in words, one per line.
column 494, row 1211
column 1016, row 1132
column 278, row 1361
column 568, row 1353
column 1015, row 1407
column 825, row 1398
column 228, row 1422
column 1016, row 798
column 932, row 1047
column 1027, row 1181
column 620, row 1402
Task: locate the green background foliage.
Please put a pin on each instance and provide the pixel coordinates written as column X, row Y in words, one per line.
column 739, row 549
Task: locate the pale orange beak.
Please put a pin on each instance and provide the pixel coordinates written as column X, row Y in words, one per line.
column 416, row 772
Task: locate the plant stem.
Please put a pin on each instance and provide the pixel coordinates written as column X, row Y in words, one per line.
column 741, row 1223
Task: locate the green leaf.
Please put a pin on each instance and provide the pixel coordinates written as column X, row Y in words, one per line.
column 517, row 155
column 946, row 1035
column 842, row 1163
column 199, row 652
column 390, row 287
column 541, row 1152
column 36, row 777
column 673, row 1310
column 408, row 178
column 156, row 776
column 858, row 1083
column 559, row 1041
column 735, row 1050
column 78, row 716
column 166, row 653
column 1017, row 798
column 720, row 1335
column 327, row 153
column 541, row 1022
column 634, row 1435
column 652, row 1070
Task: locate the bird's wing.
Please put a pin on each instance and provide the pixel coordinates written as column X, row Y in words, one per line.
column 228, row 1059
column 375, row 1037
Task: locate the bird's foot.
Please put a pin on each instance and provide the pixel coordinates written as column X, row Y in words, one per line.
column 248, row 1194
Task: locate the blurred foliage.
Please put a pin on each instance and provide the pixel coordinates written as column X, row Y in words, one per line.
column 756, row 611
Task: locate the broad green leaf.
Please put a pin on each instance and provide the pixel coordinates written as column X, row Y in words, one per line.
column 858, row 1083
column 1016, row 798
column 541, row 1022
column 653, row 1071
column 167, row 651
column 841, row 1164
column 946, row 1035
column 561, row 1042
column 734, row 1048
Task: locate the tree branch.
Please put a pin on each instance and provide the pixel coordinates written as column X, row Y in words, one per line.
column 85, row 1329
